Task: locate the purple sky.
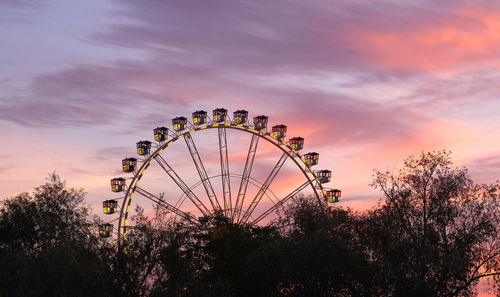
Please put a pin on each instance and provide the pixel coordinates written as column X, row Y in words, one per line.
column 367, row 83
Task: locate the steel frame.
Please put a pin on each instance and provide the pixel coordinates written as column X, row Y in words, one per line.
column 283, row 146
column 163, row 203
column 182, row 185
column 202, row 172
column 245, row 177
column 264, row 188
column 280, row 203
column 224, row 168
column 251, row 181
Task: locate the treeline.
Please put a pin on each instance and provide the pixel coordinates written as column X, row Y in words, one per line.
column 434, row 233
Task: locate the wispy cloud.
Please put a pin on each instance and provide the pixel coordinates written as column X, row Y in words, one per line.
column 366, row 83
column 194, row 55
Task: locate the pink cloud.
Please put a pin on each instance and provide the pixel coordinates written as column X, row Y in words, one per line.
column 467, row 36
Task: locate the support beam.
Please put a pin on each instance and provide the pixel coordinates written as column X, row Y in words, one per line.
column 264, row 188
column 245, row 178
column 163, row 203
column 224, row 167
column 182, row 185
column 202, row 172
column 280, row 203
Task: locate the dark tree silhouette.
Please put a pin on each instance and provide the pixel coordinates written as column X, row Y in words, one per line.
column 436, row 233
column 307, row 252
column 318, row 254
column 49, row 245
column 190, row 258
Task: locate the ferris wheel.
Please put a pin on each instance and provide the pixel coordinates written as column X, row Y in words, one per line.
column 186, row 199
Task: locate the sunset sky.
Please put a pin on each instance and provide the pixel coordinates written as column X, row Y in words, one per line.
column 366, row 83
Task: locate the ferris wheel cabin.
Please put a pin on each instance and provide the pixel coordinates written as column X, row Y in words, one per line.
column 118, row 184
column 109, row 206
column 220, row 115
column 143, row 147
column 260, row 122
column 333, row 195
column 199, row 117
column 324, row 176
column 278, row 132
column 179, row 123
column 311, row 158
column 105, row 230
column 160, row 133
column 296, row 143
column 129, row 164
column 240, row 116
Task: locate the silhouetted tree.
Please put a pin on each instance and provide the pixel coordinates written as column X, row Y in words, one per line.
column 436, row 233
column 207, row 256
column 156, row 262
column 49, row 247
column 319, row 254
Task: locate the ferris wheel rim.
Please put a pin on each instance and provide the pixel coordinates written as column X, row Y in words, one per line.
column 280, row 144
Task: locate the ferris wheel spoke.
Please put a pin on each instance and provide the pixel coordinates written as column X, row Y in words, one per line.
column 224, row 166
column 280, row 203
column 202, row 172
column 264, row 188
column 182, row 185
column 163, row 203
column 245, row 177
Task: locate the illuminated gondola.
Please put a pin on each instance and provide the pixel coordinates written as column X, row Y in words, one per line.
column 278, row 131
column 199, row 117
column 118, row 184
column 324, row 176
column 160, row 133
column 109, row 206
column 311, row 159
column 179, row 123
column 105, row 230
column 129, row 164
column 220, row 115
column 260, row 122
column 240, row 116
column 333, row 195
column 144, row 147
column 296, row 143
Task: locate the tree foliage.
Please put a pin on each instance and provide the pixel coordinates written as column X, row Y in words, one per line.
column 49, row 245
column 306, row 252
column 206, row 257
column 436, row 232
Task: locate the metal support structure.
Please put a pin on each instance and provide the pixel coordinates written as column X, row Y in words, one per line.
column 318, row 190
column 202, row 172
column 280, row 203
column 264, row 188
column 163, row 203
column 224, row 167
column 245, row 177
column 182, row 185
